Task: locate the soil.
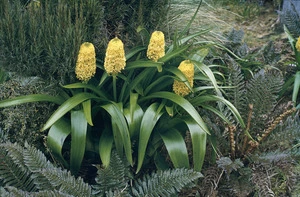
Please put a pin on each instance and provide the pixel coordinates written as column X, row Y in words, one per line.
column 260, row 24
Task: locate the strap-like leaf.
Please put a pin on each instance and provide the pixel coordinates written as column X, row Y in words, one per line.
column 149, row 120
column 105, row 147
column 122, row 132
column 87, row 109
column 31, row 98
column 198, row 137
column 197, row 101
column 142, row 64
column 296, row 87
column 183, row 103
column 176, row 148
column 67, row 106
column 134, row 115
column 78, row 139
column 96, row 90
column 56, row 137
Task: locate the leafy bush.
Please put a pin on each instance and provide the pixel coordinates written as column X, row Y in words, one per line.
column 44, row 40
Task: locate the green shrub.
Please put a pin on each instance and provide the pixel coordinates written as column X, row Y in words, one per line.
column 44, row 40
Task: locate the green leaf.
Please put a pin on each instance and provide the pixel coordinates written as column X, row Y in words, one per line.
column 296, row 87
column 173, row 54
column 56, row 137
column 176, row 148
column 105, row 146
column 207, row 71
column 78, row 139
column 29, row 99
column 142, row 64
column 290, row 38
column 133, row 115
column 187, row 27
column 123, row 132
column 87, row 109
column 183, row 103
column 96, row 90
column 200, row 100
column 134, row 51
column 159, row 84
column 67, row 106
column 150, row 118
column 198, row 137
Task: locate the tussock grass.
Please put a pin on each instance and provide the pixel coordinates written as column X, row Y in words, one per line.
column 211, row 16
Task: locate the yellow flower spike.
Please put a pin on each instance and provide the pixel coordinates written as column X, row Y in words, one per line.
column 187, row 68
column 156, row 47
column 298, row 44
column 115, row 60
column 86, row 62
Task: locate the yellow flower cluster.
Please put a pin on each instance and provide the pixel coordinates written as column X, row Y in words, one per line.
column 86, row 62
column 187, row 68
column 156, row 47
column 115, row 60
column 298, row 44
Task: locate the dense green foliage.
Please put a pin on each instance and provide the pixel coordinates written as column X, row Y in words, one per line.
column 44, row 40
column 25, row 171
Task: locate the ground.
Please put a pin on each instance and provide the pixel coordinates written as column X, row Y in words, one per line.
column 260, row 23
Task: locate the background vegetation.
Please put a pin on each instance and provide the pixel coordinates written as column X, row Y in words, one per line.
column 39, row 46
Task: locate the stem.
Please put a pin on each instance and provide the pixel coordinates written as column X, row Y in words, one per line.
column 115, row 87
column 248, row 127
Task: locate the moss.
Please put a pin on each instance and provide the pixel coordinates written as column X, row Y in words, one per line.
column 23, row 122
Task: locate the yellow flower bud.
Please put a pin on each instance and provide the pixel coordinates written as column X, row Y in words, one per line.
column 179, row 87
column 298, row 45
column 156, row 47
column 115, row 60
column 86, row 62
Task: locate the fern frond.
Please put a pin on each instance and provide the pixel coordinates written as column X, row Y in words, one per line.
column 13, row 172
column 237, row 94
column 113, row 177
column 66, row 183
column 14, row 192
column 27, row 170
column 164, row 183
column 262, row 92
column 235, row 36
column 35, row 160
column 261, row 179
column 291, row 20
column 210, row 181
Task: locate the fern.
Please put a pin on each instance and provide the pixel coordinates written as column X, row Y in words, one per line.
column 12, row 191
column 35, row 161
column 27, row 170
column 164, row 183
column 237, row 94
column 12, row 169
column 261, row 179
column 291, row 20
column 262, row 92
column 65, row 182
column 112, row 178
